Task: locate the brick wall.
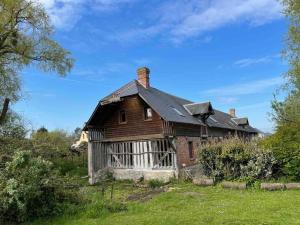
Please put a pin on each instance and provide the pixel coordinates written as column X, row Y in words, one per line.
column 182, row 147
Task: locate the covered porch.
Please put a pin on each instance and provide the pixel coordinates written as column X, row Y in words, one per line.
column 148, row 157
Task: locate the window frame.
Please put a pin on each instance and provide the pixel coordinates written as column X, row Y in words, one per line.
column 191, row 150
column 145, row 113
column 120, row 117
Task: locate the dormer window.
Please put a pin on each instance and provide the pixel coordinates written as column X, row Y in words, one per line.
column 122, row 117
column 147, row 113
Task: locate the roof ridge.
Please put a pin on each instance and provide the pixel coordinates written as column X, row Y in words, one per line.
column 121, row 89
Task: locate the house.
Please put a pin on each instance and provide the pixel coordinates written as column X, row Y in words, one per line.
column 82, row 139
column 140, row 131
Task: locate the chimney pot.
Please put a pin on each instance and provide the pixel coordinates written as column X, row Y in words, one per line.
column 143, row 76
column 232, row 112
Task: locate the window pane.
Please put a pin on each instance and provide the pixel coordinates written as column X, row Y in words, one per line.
column 148, row 113
column 122, row 116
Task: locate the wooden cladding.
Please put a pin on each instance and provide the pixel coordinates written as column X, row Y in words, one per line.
column 96, row 134
column 135, row 124
column 168, row 128
column 152, row 154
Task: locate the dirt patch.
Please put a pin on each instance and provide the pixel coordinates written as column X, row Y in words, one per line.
column 145, row 195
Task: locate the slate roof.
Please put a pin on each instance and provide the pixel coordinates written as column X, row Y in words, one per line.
column 172, row 108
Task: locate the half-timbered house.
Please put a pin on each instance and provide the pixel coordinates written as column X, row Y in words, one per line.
column 140, row 131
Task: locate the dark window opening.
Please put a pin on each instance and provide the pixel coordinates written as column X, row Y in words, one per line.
column 123, row 116
column 147, row 113
column 191, row 149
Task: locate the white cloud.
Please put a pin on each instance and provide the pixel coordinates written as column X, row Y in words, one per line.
column 252, row 61
column 181, row 19
column 218, row 13
column 174, row 20
column 253, row 87
column 65, row 14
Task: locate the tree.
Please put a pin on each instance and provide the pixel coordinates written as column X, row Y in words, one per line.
column 287, row 112
column 26, row 39
column 13, row 126
column 42, row 130
column 286, row 141
column 77, row 133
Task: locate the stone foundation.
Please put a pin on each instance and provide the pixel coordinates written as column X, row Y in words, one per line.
column 134, row 174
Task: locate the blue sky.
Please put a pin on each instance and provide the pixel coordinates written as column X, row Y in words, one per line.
column 223, row 51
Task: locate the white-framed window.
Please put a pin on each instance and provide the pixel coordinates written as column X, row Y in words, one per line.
column 148, row 113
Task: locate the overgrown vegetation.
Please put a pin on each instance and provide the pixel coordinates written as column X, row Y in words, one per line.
column 38, row 175
column 285, row 143
column 30, row 187
column 155, row 183
column 235, row 158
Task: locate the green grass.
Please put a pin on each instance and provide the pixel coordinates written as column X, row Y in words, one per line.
column 185, row 204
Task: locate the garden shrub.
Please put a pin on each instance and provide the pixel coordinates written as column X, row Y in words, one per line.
column 155, row 183
column 234, row 158
column 29, row 188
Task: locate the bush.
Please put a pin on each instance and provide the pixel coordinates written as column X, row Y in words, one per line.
column 54, row 144
column 155, row 183
column 8, row 146
column 29, row 188
column 236, row 159
column 285, row 144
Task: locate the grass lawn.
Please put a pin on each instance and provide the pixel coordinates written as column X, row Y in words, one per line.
column 186, row 203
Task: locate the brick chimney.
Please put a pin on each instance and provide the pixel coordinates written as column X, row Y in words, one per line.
column 232, row 112
column 143, row 76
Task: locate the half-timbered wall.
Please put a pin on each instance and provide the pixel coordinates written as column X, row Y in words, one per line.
column 135, row 125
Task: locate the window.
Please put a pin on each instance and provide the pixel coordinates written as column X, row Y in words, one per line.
column 191, row 149
column 122, row 118
column 148, row 113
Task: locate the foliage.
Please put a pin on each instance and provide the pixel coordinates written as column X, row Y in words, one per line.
column 51, row 144
column 236, row 159
column 77, row 133
column 28, row 188
column 26, row 32
column 285, row 145
column 287, row 112
column 13, row 126
column 9, row 145
column 26, row 39
column 155, row 183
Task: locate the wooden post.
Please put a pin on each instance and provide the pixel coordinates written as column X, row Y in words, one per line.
column 91, row 162
column 150, row 154
column 134, row 154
